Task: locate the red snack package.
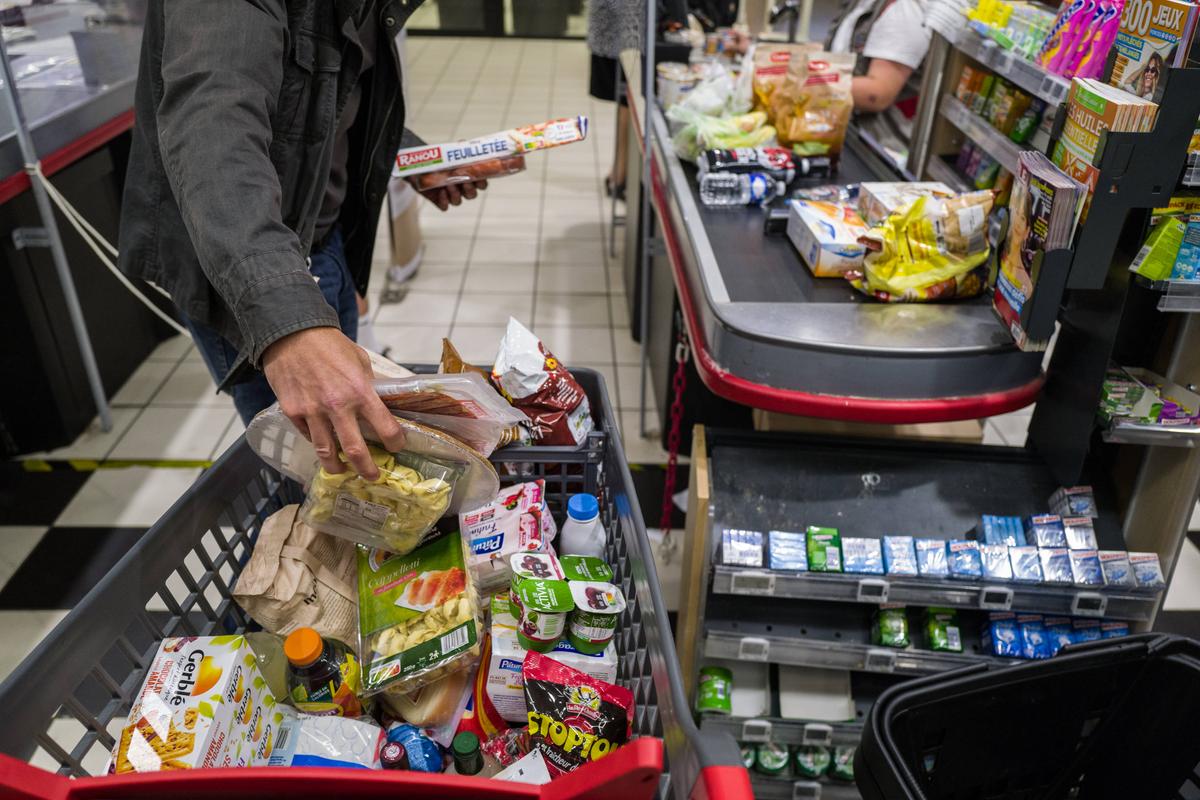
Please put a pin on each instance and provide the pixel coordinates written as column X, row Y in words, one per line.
column 537, row 383
column 573, row 718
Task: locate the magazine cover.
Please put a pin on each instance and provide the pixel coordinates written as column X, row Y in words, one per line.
column 1154, row 35
column 1029, row 222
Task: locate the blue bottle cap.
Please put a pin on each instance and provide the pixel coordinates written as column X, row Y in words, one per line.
column 583, row 507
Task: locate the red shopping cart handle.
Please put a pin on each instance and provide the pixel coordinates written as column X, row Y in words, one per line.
column 630, row 773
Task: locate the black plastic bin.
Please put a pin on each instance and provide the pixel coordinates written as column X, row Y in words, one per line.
column 1110, row 719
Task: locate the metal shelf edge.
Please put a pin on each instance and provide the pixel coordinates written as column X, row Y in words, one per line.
column 783, row 731
column 980, row 131
column 793, row 788
column 1152, row 435
column 1031, row 77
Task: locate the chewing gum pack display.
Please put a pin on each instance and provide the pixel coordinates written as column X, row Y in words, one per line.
column 1147, row 572
column 1116, row 568
column 1056, row 564
column 1086, row 630
column 941, row 630
column 1045, row 530
column 1080, row 533
column 1074, row 501
column 1059, row 632
column 1035, row 643
column 964, row 559
column 514, row 141
column 824, row 549
column 1002, row 636
column 788, row 550
column 1001, row 530
column 931, row 558
column 741, row 548
column 1085, row 568
column 899, row 555
column 864, row 556
column 1026, row 567
column 1113, row 630
column 996, row 566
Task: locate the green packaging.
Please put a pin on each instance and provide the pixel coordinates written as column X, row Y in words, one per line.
column 586, row 568
column 1157, row 256
column 749, row 754
column 812, row 761
column 843, row 763
column 771, row 758
column 824, row 549
column 715, row 692
column 544, row 607
column 889, row 628
column 942, row 631
column 597, row 607
column 980, row 101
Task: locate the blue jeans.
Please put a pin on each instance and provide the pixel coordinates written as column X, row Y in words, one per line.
column 333, row 277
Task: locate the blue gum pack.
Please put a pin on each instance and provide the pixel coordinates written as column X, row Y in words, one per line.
column 862, row 556
column 996, row 566
column 1001, row 530
column 1045, row 530
column 1025, row 564
column 1035, row 643
column 964, row 560
column 1001, row 635
column 899, row 555
column 931, row 558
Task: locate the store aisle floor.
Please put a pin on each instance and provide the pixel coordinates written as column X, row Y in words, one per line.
column 534, row 247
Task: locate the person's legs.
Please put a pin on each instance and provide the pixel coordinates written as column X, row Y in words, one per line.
column 333, row 277
column 621, row 157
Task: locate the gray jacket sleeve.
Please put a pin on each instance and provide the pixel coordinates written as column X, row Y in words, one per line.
column 222, row 65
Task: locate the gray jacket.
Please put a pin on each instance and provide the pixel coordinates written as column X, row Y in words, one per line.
column 236, row 109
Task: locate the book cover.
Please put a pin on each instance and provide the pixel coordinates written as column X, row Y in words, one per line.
column 1154, row 35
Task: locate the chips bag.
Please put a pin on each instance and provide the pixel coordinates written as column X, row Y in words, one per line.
column 538, row 384
column 931, row 249
column 573, row 718
column 770, row 68
column 812, row 108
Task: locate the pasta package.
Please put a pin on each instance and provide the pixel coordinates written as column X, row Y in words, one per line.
column 418, row 615
column 812, row 108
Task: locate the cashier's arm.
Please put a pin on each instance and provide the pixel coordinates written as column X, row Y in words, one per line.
column 222, row 65
column 879, row 88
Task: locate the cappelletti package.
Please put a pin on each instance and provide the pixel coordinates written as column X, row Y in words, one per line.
column 812, row 108
column 418, row 615
column 537, row 383
column 465, row 406
column 573, row 718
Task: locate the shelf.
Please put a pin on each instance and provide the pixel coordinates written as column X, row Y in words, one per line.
column 1181, row 297
column 781, row 788
column 996, row 596
column 980, row 131
column 1123, row 432
column 941, row 170
column 1029, row 76
column 783, row 731
column 838, row 654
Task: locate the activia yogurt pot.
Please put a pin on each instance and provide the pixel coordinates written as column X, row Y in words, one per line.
column 531, row 566
column 586, row 568
column 594, row 620
column 543, row 613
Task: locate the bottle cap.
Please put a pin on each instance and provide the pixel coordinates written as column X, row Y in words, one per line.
column 393, row 756
column 465, row 744
column 303, row 646
column 583, row 507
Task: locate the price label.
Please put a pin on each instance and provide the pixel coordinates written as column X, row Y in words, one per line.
column 752, row 648
column 816, row 733
column 806, row 790
column 995, row 598
column 756, row 730
column 750, row 582
column 880, row 660
column 1089, row 604
column 873, row 590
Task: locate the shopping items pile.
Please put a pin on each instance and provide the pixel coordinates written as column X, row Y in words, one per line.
column 408, row 620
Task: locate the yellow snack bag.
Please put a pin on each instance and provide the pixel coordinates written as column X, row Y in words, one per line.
column 814, row 104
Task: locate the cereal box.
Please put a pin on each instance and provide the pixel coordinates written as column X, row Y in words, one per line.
column 204, row 703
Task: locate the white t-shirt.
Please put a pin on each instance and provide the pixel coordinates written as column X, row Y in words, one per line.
column 899, row 34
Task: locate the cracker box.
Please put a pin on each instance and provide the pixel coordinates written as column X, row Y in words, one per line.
column 514, row 141
column 505, row 682
column 204, row 703
column 826, row 234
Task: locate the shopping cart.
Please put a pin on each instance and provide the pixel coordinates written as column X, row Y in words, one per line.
column 64, row 704
column 1108, row 719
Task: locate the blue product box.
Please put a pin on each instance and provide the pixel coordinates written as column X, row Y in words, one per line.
column 1113, row 630
column 996, row 566
column 1074, row 501
column 931, row 558
column 1086, row 630
column 787, row 550
column 1001, row 635
column 1045, row 530
column 1085, row 568
column 1026, row 567
column 899, row 555
column 963, row 559
column 1080, row 533
column 1056, row 564
column 1115, row 565
column 864, row 556
column 1035, row 642
column 1001, row 530
column 1147, row 572
column 1059, row 632
column 741, row 548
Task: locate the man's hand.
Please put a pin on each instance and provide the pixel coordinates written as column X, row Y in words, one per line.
column 323, row 382
column 453, row 194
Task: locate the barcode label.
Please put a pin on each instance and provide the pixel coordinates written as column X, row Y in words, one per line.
column 762, row 583
column 953, row 640
column 753, row 649
column 454, row 639
column 282, row 738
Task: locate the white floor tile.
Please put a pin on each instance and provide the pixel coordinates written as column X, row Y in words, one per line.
column 554, row 310
column 493, row 309
column 454, row 251
column 191, row 384
column 522, row 252
column 1011, row 428
column 172, row 349
column 478, row 345
column 558, row 279
column 232, row 434
column 503, row 278
column 564, row 251
column 639, row 450
column 523, row 228
column 413, row 344
column 627, row 351
column 93, row 444
column 580, row 229
column 630, row 387
column 620, row 312
column 440, row 278
column 418, row 308
column 174, row 433
column 616, row 280
column 16, row 542
column 130, row 497
column 608, row 370
column 1184, row 591
column 583, row 345
column 525, row 186
column 23, row 630
column 143, row 383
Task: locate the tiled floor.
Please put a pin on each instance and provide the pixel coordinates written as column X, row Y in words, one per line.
column 533, row 247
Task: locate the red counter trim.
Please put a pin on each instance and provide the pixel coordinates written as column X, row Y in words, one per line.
column 68, row 154
column 790, row 401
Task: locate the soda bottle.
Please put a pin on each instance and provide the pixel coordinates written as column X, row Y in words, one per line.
column 323, row 677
